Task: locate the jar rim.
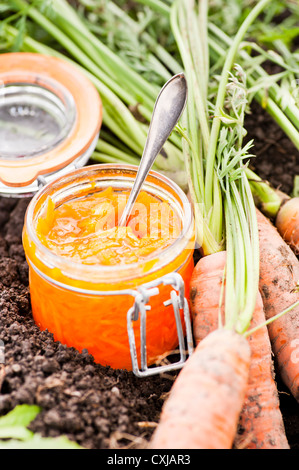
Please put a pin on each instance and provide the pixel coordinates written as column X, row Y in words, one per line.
column 121, row 269
column 65, row 81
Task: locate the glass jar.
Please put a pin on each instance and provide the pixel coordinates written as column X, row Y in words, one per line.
column 48, row 126
column 85, row 306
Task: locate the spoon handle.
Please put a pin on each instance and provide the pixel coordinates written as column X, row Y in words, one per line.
column 167, row 111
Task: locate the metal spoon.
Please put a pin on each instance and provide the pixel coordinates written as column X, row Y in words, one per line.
column 167, row 111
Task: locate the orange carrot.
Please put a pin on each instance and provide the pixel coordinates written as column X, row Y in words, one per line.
column 287, row 223
column 279, row 274
column 205, row 289
column 261, row 424
column 204, row 404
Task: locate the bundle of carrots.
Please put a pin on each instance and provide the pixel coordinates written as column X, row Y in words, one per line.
column 244, row 289
column 226, row 394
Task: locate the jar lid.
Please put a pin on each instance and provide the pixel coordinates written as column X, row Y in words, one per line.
column 50, row 116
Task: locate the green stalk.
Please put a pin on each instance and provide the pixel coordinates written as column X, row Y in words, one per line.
column 270, row 320
column 291, row 110
column 250, row 251
column 216, row 215
column 270, row 106
column 185, row 33
column 231, row 306
column 77, row 52
column 192, row 49
column 203, row 30
column 228, row 64
column 106, row 148
column 242, row 247
column 156, row 5
column 70, row 21
column 111, row 80
column 205, row 239
column 266, row 198
column 162, row 54
column 115, row 158
column 112, row 139
column 281, row 119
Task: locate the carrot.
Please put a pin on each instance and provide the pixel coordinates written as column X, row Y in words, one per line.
column 205, row 289
column 279, row 274
column 203, row 407
column 261, row 424
column 287, row 223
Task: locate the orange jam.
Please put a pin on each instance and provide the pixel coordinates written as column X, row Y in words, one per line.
column 84, row 270
column 84, row 230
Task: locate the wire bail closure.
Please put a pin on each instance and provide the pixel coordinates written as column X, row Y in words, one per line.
column 140, row 307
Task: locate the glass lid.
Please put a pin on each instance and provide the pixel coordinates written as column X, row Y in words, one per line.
column 50, row 116
column 33, row 120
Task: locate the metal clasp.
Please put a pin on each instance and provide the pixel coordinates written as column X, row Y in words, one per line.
column 140, row 307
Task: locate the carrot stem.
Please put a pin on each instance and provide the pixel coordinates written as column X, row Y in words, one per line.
column 228, row 64
column 272, row 319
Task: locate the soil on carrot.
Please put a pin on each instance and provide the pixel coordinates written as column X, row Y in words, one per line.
column 96, row 406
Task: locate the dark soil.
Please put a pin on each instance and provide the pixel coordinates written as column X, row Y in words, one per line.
column 96, row 406
column 277, row 159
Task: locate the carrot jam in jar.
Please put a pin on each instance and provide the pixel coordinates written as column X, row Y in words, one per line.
column 85, row 230
column 83, row 266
